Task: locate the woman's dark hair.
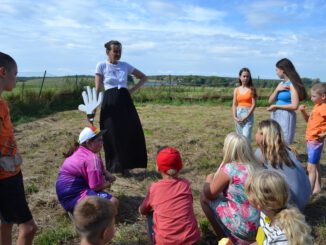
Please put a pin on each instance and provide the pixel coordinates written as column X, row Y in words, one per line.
column 289, row 70
column 71, row 149
column 109, row 44
column 75, row 146
column 250, row 83
column 6, row 61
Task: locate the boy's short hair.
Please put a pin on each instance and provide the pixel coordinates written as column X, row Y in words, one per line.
column 319, row 88
column 92, row 215
column 6, row 61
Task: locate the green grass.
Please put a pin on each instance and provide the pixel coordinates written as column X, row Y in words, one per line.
column 62, row 233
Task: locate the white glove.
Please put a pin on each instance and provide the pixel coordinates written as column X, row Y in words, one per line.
column 91, row 102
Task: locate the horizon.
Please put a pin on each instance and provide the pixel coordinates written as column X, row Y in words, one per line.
column 179, row 37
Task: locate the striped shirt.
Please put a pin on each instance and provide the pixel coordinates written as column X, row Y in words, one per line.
column 273, row 234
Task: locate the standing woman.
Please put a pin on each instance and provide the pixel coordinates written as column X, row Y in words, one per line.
column 286, row 96
column 124, row 143
column 244, row 103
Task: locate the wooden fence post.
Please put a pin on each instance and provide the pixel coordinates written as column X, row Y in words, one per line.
column 39, row 95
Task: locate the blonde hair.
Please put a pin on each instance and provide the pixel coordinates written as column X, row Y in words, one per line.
column 92, row 216
column 237, row 149
column 268, row 189
column 319, row 88
column 273, row 147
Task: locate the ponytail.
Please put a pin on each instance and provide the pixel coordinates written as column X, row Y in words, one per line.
column 71, row 149
column 293, row 223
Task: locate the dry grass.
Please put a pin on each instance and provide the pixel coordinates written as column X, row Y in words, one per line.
column 197, row 131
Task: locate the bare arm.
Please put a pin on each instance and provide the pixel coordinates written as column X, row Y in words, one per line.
column 272, row 97
column 215, row 184
column 98, row 83
column 304, row 113
column 142, row 79
column 252, row 108
column 294, row 102
column 234, row 105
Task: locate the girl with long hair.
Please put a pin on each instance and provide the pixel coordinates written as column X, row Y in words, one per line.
column 268, row 191
column 286, row 97
column 244, row 103
column 223, row 199
column 273, row 153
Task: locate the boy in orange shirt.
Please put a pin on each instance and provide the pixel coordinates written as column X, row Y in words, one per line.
column 315, row 133
column 13, row 205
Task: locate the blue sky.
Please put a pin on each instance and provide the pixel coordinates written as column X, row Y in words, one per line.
column 193, row 37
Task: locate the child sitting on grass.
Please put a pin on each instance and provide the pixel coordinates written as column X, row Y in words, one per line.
column 223, row 199
column 172, row 203
column 315, row 134
column 94, row 219
column 268, row 191
column 82, row 173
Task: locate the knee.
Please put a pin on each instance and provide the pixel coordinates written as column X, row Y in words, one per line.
column 311, row 168
column 115, row 202
column 28, row 229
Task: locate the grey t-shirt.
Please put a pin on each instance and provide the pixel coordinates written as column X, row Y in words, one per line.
column 296, row 178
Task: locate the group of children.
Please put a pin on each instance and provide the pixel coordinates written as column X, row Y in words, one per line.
column 250, row 194
column 284, row 102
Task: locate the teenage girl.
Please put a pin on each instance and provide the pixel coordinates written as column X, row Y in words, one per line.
column 244, row 103
column 223, row 199
column 268, row 191
column 273, row 153
column 286, row 97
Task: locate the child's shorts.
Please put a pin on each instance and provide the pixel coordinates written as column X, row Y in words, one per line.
column 314, row 149
column 102, row 194
column 13, row 206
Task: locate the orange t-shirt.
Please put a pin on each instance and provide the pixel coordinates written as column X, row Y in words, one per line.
column 245, row 99
column 8, row 145
column 317, row 122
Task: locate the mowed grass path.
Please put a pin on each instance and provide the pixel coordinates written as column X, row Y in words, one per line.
column 197, row 131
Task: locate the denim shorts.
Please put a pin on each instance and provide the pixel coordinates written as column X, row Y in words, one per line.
column 314, row 149
column 245, row 128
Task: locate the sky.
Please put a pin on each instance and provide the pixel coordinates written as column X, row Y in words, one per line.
column 177, row 37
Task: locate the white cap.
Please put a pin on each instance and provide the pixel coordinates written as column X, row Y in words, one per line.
column 88, row 133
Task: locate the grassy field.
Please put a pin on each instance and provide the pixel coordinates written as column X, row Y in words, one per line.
column 198, row 131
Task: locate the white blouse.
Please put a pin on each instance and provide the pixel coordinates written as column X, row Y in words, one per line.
column 114, row 75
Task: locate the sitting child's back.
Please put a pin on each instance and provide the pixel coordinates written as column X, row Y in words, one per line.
column 172, row 202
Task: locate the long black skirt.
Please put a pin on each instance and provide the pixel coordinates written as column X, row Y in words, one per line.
column 124, row 142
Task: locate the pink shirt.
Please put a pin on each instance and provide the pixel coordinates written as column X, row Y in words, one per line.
column 80, row 172
column 174, row 218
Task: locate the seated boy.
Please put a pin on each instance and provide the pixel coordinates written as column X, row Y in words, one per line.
column 171, row 202
column 94, row 219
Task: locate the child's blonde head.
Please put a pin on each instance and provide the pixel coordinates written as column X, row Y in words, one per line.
column 319, row 88
column 92, row 216
column 237, row 149
column 268, row 190
column 273, row 147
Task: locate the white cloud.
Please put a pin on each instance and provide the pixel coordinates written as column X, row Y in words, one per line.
column 181, row 37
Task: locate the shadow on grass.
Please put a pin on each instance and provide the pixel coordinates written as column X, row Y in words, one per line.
column 128, row 209
column 140, row 176
column 315, row 211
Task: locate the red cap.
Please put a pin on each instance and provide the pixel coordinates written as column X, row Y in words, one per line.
column 169, row 158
